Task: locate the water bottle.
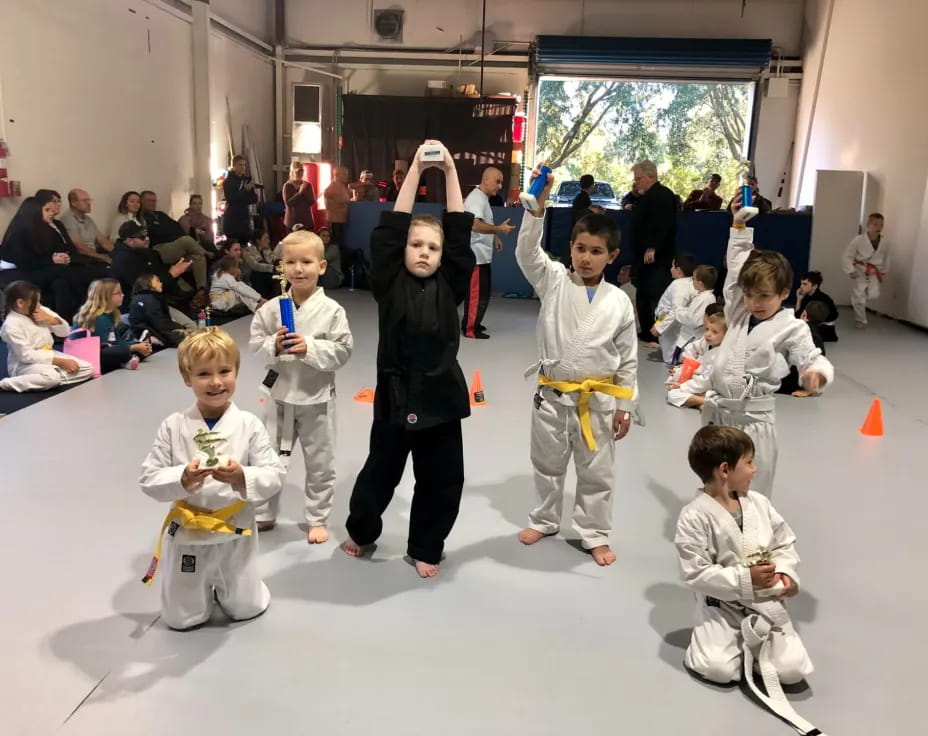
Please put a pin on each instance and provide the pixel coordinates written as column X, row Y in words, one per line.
column 351, row 274
column 201, row 319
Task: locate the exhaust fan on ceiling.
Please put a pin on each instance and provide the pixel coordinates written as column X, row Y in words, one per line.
column 388, row 25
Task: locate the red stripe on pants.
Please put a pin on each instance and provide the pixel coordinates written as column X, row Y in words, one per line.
column 473, row 302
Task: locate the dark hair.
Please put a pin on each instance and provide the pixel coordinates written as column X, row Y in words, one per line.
column 713, row 445
column 226, row 264
column 143, row 283
column 874, row 216
column 813, row 277
column 685, row 262
column 586, row 181
column 706, row 275
column 47, row 195
column 236, row 158
column 716, row 177
column 816, row 312
column 193, row 197
column 766, row 268
column 600, row 226
column 146, row 191
column 715, row 308
column 17, row 290
column 123, row 206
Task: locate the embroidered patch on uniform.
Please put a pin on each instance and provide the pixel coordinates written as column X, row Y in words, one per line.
column 412, row 418
column 172, row 530
column 538, row 401
column 713, row 602
column 188, row 563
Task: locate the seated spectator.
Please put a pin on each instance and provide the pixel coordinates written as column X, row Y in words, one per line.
column 365, row 190
column 238, row 189
column 100, row 315
column 757, row 200
column 84, row 232
column 151, row 317
column 393, row 190
column 39, row 249
column 258, row 263
column 229, row 296
column 810, row 290
column 705, row 198
column 299, row 198
column 167, row 237
column 133, row 257
column 582, row 202
column 333, row 276
column 198, row 225
column 128, row 209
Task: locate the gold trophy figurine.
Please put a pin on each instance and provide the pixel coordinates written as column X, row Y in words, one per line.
column 762, row 556
column 206, row 442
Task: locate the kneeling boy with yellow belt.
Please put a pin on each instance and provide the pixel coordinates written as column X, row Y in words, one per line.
column 587, row 377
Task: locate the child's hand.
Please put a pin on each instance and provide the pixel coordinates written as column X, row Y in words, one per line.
column 674, row 385
column 261, row 303
column 233, row 474
column 654, row 331
column 621, row 423
column 763, row 576
column 43, row 316
column 282, row 333
column 142, row 348
column 68, row 365
column 193, row 476
column 294, row 344
column 789, row 587
column 812, row 381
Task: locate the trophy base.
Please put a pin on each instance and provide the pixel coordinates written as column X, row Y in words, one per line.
column 222, row 461
column 529, row 201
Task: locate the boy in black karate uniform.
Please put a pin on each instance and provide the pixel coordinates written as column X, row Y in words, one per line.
column 420, row 273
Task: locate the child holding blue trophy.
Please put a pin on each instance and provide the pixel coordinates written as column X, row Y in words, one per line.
column 304, row 337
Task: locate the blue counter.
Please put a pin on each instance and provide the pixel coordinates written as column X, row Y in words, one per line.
column 704, row 234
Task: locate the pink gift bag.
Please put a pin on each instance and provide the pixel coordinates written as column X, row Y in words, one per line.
column 86, row 348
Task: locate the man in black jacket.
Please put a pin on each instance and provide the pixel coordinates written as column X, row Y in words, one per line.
column 133, row 257
column 173, row 245
column 654, row 235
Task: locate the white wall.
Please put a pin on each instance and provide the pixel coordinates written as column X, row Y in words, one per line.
column 253, row 16
column 871, row 114
column 522, row 20
column 93, row 107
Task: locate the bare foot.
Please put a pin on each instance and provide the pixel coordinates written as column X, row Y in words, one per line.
column 603, row 555
column 860, row 325
column 426, row 570
column 801, row 394
column 652, row 345
column 353, row 549
column 317, row 535
column 266, row 526
column 530, row 536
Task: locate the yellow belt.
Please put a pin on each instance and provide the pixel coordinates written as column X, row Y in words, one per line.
column 586, row 389
column 193, row 518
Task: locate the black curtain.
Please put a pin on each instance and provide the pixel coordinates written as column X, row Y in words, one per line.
column 380, row 129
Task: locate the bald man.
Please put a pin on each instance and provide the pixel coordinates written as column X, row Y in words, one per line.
column 483, row 239
column 84, row 232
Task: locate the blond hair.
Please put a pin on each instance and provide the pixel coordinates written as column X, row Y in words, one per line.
column 717, row 318
column 99, row 302
column 427, row 221
column 303, row 237
column 206, row 343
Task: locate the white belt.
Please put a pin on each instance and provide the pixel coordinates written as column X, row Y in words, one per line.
column 759, row 408
column 756, row 628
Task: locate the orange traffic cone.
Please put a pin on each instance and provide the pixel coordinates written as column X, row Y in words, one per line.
column 873, row 424
column 477, row 397
column 690, row 366
column 364, row 396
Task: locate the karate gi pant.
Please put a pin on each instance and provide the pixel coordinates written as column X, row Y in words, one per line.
column 677, row 397
column 716, row 647
column 556, row 436
column 196, row 575
column 864, row 289
column 477, row 300
column 45, row 376
column 756, row 418
column 438, row 464
column 313, row 425
column 668, row 342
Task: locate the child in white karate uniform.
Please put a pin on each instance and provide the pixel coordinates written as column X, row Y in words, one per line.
column 674, row 301
column 32, row 363
column 762, row 341
column 692, row 392
column 300, row 382
column 587, row 377
column 213, row 462
column 692, row 317
column 866, row 261
column 738, row 556
column 228, row 292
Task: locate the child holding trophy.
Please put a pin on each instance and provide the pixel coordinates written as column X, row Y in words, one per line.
column 304, row 337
